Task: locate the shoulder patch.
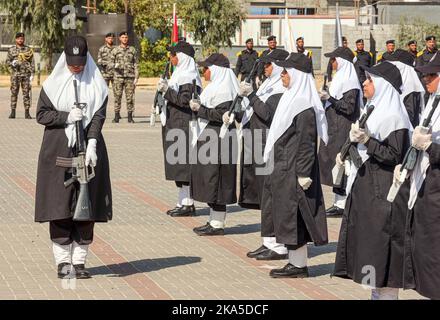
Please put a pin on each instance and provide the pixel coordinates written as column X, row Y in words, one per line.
column 371, row 55
column 355, row 53
column 420, row 53
column 238, row 54
column 310, row 53
column 260, row 53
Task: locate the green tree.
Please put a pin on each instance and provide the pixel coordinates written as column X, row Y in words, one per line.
column 415, row 29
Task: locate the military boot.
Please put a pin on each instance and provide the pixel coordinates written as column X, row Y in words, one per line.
column 12, row 115
column 27, row 115
column 130, row 117
column 117, row 117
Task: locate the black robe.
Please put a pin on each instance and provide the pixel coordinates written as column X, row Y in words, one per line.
column 251, row 185
column 53, row 201
column 422, row 238
column 412, row 102
column 215, row 183
column 289, row 213
column 372, row 230
column 340, row 115
column 178, row 117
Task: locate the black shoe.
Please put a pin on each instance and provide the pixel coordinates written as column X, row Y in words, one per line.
column 290, row 271
column 185, row 211
column 334, row 212
column 130, row 117
column 271, row 255
column 253, row 254
column 209, row 230
column 173, row 210
column 27, row 115
column 117, row 117
column 81, row 272
column 64, row 270
column 12, row 115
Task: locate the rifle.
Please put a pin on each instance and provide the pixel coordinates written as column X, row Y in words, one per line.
column 410, row 159
column 159, row 101
column 193, row 122
column 235, row 106
column 324, row 88
column 349, row 150
column 81, row 173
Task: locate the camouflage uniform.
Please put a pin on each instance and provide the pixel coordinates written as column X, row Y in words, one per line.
column 22, row 69
column 124, row 63
column 104, row 61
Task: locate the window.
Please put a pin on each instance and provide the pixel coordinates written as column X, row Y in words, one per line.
column 265, row 29
column 256, row 10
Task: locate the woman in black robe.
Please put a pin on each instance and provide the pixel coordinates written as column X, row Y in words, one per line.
column 255, row 122
column 175, row 118
column 54, row 202
column 292, row 196
column 213, row 176
column 370, row 249
column 422, row 237
column 343, row 103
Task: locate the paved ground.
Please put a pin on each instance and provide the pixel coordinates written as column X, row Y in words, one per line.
column 142, row 253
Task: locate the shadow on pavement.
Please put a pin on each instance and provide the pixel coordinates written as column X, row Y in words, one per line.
column 316, row 251
column 204, row 211
column 243, row 229
column 321, row 270
column 141, row 266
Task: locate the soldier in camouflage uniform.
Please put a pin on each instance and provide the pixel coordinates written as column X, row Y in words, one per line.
column 104, row 58
column 21, row 61
column 124, row 62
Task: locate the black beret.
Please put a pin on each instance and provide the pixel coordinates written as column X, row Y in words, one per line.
column 76, row 50
column 360, row 41
column 430, row 38
column 216, row 59
column 110, row 34
column 344, row 39
column 271, row 38
column 297, row 61
column 433, row 66
column 183, row 47
column 388, row 71
column 19, row 35
column 402, row 56
column 390, row 41
column 341, row 52
column 249, row 40
column 123, row 33
column 275, row 55
column 411, row 42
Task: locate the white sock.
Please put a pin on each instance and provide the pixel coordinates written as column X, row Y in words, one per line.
column 298, row 257
column 186, row 199
column 217, row 219
column 340, row 201
column 79, row 253
column 272, row 244
column 61, row 253
column 385, row 294
column 180, row 197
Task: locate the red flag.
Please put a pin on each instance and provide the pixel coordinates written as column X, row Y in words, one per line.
column 175, row 36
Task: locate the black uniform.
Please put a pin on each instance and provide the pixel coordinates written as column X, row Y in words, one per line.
column 364, row 58
column 384, row 56
column 245, row 62
column 424, row 56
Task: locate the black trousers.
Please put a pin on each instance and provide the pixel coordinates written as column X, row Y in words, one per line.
column 217, row 207
column 180, row 184
column 66, row 231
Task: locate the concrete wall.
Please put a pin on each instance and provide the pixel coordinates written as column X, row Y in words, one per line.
column 392, row 13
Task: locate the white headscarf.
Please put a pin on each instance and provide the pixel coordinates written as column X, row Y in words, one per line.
column 389, row 115
column 92, row 90
column 186, row 71
column 271, row 86
column 300, row 96
column 410, row 79
column 345, row 79
column 419, row 173
column 222, row 87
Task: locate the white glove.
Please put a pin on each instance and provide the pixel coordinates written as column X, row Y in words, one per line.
column 14, row 63
column 324, row 95
column 162, row 85
column 258, row 81
column 194, row 104
column 339, row 161
column 245, row 89
column 421, row 139
column 31, row 78
column 75, row 115
column 305, row 183
column 226, row 117
column 91, row 156
column 397, row 173
column 357, row 134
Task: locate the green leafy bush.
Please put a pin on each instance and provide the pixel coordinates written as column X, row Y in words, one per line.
column 153, row 57
column 416, row 29
column 4, row 69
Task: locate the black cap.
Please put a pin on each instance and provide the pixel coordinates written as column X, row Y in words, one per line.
column 430, row 38
column 123, row 33
column 216, row 59
column 183, row 47
column 271, row 38
column 390, row 41
column 76, row 50
column 433, row 66
column 19, row 35
column 402, row 56
column 300, row 38
column 344, row 39
column 411, row 42
column 360, row 41
column 249, row 40
column 298, row 61
column 388, row 71
column 181, row 39
column 341, row 52
column 275, row 55
column 110, row 34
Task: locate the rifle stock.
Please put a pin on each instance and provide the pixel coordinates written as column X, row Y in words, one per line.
column 159, row 100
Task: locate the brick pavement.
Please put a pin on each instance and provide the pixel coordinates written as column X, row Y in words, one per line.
column 142, row 253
